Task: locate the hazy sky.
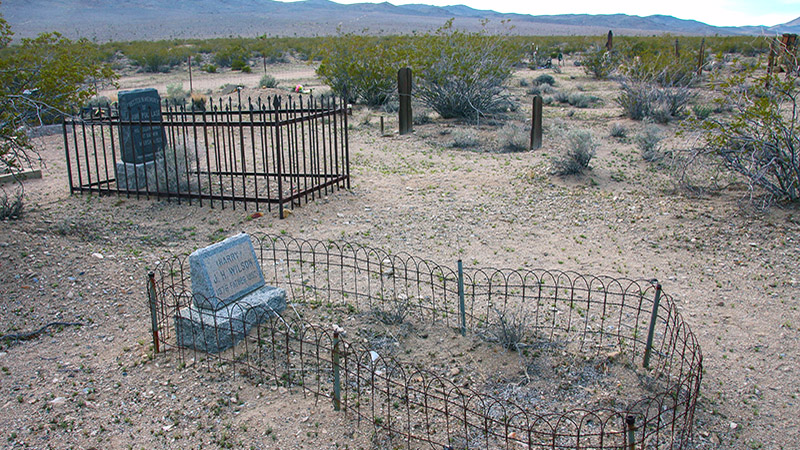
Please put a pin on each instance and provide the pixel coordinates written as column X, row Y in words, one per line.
column 712, row 12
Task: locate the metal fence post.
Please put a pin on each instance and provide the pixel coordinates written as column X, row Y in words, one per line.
column 461, row 308
column 630, row 424
column 653, row 318
column 152, row 299
column 337, row 386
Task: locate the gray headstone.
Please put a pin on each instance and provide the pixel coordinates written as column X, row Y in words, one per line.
column 224, row 272
column 214, row 331
column 141, row 143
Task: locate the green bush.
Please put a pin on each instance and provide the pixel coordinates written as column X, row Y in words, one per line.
column 545, row 79
column 268, row 81
column 462, row 74
column 176, row 96
column 702, row 112
column 598, row 62
column 759, row 139
column 580, row 151
column 210, row 68
column 361, row 68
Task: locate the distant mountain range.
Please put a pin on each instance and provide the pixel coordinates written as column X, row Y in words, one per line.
column 105, row 20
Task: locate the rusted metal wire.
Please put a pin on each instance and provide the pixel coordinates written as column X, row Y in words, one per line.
column 276, row 152
column 415, row 406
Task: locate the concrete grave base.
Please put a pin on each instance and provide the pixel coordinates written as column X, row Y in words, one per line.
column 140, row 176
column 213, row 331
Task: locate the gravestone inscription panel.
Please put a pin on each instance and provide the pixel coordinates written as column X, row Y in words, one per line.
column 141, row 142
column 224, row 272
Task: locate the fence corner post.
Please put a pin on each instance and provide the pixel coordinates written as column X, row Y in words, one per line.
column 461, row 307
column 651, row 331
column 152, row 299
column 337, row 386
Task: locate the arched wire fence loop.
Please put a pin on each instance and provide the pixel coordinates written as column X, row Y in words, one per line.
column 413, row 407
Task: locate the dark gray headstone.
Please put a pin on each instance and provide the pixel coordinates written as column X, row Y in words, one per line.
column 224, row 272
column 141, row 142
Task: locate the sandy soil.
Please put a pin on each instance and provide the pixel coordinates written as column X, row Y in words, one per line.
column 735, row 274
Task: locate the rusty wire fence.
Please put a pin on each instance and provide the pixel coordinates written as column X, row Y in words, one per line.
column 275, row 152
column 415, row 407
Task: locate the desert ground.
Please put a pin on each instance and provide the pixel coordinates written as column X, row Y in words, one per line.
column 733, row 269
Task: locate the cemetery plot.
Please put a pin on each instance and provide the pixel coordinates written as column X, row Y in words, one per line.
column 272, row 152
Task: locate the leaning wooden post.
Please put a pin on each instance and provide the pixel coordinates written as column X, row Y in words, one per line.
column 701, row 56
column 152, row 299
column 610, row 41
column 536, row 123
column 404, row 92
column 191, row 89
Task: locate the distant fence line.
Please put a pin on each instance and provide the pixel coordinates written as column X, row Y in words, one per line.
column 415, row 406
column 278, row 152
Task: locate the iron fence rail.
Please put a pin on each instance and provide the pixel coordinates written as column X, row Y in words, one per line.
column 278, row 152
column 416, row 406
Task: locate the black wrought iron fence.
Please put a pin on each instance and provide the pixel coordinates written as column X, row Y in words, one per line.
column 414, row 406
column 278, row 152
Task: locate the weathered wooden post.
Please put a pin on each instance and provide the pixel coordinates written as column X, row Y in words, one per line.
column 536, row 123
column 404, row 92
column 677, row 49
column 701, row 56
column 191, row 89
column 610, row 41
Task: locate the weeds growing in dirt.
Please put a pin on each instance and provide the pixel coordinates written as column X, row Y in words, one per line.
column 581, row 149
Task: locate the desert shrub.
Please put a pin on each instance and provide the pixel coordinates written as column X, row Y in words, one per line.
column 509, row 329
column 581, row 100
column 11, row 205
column 661, row 68
column 421, row 118
column 618, row 131
column 176, row 96
column 199, row 102
column 523, row 82
column 641, row 100
column 464, row 138
column 210, row 68
column 648, row 143
column 540, row 89
column 361, row 68
column 234, row 55
column 545, row 79
column 702, row 112
column 581, row 148
column 268, row 81
column 759, row 139
column 462, row 74
column 513, row 138
column 598, row 62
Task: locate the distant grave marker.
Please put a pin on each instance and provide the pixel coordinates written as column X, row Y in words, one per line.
column 141, row 143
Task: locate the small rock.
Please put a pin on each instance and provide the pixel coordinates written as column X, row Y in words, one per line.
column 97, row 255
column 454, row 371
column 58, row 401
column 734, row 425
column 715, row 439
column 282, row 390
